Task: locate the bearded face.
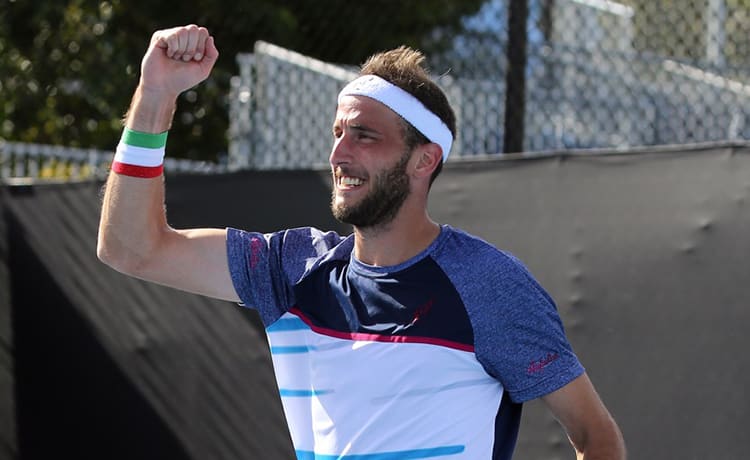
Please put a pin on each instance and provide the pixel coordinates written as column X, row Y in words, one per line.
column 381, row 204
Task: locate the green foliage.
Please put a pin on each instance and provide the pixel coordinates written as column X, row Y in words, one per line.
column 69, row 67
column 677, row 28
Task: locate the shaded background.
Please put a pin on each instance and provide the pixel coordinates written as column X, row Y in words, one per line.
column 646, row 254
column 642, row 239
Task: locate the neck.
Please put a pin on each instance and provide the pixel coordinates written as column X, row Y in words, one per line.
column 408, row 234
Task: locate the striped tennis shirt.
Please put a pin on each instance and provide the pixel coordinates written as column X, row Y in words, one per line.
column 430, row 358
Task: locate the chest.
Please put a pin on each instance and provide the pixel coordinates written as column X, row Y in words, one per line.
column 419, row 303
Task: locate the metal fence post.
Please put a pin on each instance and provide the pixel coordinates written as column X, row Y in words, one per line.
column 515, row 94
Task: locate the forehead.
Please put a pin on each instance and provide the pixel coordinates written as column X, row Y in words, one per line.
column 365, row 110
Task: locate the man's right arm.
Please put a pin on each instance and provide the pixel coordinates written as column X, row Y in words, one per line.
column 134, row 236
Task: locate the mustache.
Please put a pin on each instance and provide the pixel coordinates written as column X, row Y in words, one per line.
column 346, row 170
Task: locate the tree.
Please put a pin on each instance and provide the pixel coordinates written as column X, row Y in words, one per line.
column 68, row 68
column 680, row 28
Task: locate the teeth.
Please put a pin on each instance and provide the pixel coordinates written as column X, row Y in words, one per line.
column 350, row 181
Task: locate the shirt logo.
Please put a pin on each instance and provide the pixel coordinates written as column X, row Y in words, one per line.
column 255, row 251
column 422, row 310
column 538, row 366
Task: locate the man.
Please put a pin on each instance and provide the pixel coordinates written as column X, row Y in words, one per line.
column 407, row 339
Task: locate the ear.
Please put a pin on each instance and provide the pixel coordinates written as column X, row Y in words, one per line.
column 427, row 157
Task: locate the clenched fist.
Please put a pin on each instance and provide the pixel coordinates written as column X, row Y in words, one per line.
column 177, row 59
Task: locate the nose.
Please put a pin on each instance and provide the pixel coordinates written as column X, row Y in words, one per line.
column 340, row 153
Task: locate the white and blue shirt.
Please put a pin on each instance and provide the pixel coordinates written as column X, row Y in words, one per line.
column 431, row 358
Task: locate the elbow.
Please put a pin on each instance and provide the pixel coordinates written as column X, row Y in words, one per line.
column 606, row 442
column 113, row 259
column 118, row 257
column 105, row 255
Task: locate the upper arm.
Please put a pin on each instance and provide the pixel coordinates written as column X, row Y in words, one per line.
column 193, row 260
column 135, row 238
column 589, row 425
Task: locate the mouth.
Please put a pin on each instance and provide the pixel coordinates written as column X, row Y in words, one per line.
column 347, row 182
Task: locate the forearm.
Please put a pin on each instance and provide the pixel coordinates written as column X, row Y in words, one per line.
column 607, row 444
column 151, row 111
column 591, row 429
column 133, row 221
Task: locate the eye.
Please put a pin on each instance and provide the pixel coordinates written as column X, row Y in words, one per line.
column 337, row 132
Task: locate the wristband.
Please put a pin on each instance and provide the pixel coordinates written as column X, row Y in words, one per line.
column 140, row 154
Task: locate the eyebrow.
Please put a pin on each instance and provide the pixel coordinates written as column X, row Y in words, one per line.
column 363, row 128
column 359, row 127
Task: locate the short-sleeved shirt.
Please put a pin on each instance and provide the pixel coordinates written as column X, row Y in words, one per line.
column 430, row 358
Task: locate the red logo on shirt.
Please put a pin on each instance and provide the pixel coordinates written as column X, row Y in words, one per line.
column 422, row 310
column 538, row 366
column 255, row 248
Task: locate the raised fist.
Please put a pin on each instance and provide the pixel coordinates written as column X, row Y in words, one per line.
column 178, row 59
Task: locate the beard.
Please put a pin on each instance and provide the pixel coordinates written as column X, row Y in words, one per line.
column 380, row 206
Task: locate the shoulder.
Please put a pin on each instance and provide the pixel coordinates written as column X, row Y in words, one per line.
column 291, row 250
column 465, row 252
column 265, row 266
column 461, row 241
column 518, row 334
column 488, row 276
column 307, row 239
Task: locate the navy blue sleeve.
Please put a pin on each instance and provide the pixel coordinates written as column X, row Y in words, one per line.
column 265, row 267
column 518, row 334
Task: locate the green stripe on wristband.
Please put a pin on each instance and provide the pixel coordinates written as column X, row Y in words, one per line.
column 146, row 140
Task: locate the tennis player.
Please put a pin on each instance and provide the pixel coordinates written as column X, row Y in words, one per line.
column 407, row 339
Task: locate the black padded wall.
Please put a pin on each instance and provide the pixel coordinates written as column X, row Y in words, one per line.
column 646, row 253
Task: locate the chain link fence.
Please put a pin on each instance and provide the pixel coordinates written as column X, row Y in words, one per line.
column 596, row 74
column 21, row 162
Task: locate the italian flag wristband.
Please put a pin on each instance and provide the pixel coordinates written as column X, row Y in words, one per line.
column 140, row 154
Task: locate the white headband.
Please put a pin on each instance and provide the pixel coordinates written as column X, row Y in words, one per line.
column 404, row 104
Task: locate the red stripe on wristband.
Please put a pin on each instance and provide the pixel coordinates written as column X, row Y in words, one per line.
column 144, row 172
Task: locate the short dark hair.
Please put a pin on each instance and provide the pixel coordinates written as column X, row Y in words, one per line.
column 403, row 67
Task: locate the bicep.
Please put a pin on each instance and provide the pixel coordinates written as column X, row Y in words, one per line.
column 193, row 260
